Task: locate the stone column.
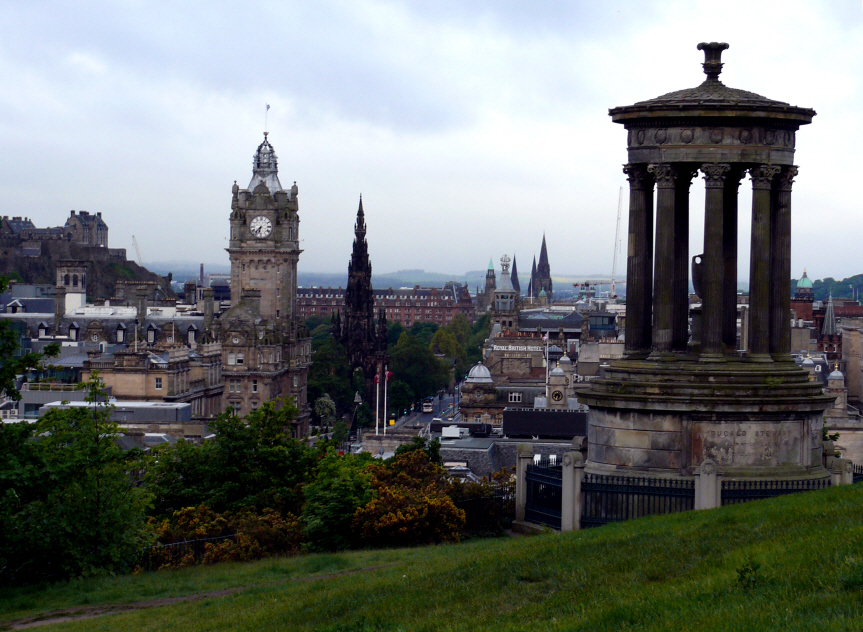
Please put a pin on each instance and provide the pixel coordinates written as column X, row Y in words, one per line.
column 780, row 266
column 712, row 349
column 729, row 255
column 680, row 299
column 639, row 264
column 572, row 477
column 759, row 264
column 665, row 176
column 523, row 459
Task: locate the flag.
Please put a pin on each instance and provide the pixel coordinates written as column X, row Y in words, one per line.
column 268, row 106
column 545, row 337
column 377, row 378
column 389, row 375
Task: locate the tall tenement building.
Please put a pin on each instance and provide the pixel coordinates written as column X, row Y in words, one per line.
column 266, row 351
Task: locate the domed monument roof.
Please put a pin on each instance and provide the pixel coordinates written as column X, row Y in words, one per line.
column 564, row 360
column 479, row 374
column 804, row 282
column 557, row 371
column 836, row 375
column 714, row 98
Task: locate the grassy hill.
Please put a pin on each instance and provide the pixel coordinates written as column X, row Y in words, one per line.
column 790, row 563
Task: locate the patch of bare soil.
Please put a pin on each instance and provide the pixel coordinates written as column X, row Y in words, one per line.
column 90, row 612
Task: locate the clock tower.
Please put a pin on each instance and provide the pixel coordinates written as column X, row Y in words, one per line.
column 266, row 350
column 264, row 247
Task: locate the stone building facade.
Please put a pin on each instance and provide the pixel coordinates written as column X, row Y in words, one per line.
column 405, row 306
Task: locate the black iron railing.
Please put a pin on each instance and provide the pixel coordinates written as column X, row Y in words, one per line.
column 734, row 492
column 615, row 498
column 158, row 555
column 544, row 486
column 858, row 473
column 489, row 514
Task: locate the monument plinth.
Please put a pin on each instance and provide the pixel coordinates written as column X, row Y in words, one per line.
column 675, row 399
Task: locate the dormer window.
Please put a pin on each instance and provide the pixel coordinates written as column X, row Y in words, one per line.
column 240, row 358
column 121, row 335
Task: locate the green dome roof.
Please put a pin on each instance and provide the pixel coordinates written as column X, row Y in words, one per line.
column 804, row 282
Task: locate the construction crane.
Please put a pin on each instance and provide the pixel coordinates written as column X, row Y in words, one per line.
column 137, row 251
column 616, row 245
column 589, row 286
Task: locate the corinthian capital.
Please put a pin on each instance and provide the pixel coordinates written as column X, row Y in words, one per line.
column 714, row 174
column 786, row 178
column 637, row 175
column 762, row 176
column 664, row 173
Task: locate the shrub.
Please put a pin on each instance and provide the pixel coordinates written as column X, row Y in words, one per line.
column 411, row 505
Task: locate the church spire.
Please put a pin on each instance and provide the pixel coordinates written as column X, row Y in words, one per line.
column 514, row 277
column 543, row 254
column 360, row 226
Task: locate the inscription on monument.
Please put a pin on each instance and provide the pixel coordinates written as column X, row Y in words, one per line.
column 745, row 444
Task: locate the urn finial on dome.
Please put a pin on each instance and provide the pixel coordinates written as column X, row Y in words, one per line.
column 712, row 58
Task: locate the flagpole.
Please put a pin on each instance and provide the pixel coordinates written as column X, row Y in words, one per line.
column 377, row 399
column 266, row 115
column 386, row 415
column 547, row 362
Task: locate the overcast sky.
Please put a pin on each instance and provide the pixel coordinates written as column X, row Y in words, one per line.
column 470, row 128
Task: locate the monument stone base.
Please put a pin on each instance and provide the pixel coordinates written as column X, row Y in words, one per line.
column 666, row 417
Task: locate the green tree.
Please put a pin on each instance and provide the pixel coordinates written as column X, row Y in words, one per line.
column 401, row 396
column 251, row 462
column 325, row 409
column 331, row 374
column 71, row 504
column 412, row 362
column 339, row 489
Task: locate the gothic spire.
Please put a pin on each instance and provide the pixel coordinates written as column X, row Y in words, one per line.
column 829, row 327
column 514, row 278
column 543, row 254
column 360, row 226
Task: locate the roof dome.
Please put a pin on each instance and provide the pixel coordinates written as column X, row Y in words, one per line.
column 808, row 362
column 557, row 372
column 479, row 374
column 564, row 360
column 836, row 375
column 804, row 282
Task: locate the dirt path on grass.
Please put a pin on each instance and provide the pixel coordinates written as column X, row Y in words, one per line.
column 90, row 612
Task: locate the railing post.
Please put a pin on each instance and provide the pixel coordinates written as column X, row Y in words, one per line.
column 573, row 475
column 841, row 471
column 708, row 487
column 524, row 458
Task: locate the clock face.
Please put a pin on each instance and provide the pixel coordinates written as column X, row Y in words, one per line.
column 557, row 396
column 261, row 226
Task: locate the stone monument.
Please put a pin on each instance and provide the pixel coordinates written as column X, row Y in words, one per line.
column 676, row 400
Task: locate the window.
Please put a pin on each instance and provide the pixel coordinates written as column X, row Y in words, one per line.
column 232, row 358
column 158, row 384
column 73, row 333
column 239, row 358
column 295, row 381
column 254, row 386
column 514, row 398
column 151, row 336
column 254, row 405
column 191, row 336
column 42, row 332
column 234, row 386
column 121, row 335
